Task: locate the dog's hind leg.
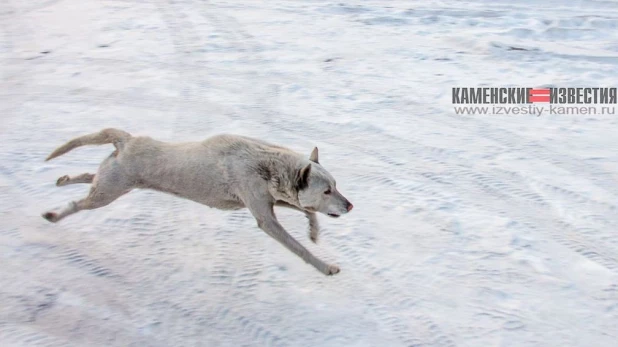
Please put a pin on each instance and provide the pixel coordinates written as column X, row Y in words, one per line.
column 265, row 216
column 98, row 197
column 314, row 226
column 110, row 184
column 83, row 178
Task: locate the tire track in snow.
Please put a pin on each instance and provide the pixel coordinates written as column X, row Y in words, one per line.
column 395, row 323
column 245, row 281
column 233, row 282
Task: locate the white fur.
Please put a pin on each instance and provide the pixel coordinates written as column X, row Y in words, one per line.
column 227, row 172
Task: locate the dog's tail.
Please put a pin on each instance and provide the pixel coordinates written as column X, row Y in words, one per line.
column 115, row 136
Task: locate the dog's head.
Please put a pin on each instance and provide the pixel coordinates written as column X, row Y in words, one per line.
column 317, row 191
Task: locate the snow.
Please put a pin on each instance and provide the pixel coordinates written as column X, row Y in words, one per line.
column 468, row 230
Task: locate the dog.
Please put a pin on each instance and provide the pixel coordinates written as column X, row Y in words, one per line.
column 227, row 172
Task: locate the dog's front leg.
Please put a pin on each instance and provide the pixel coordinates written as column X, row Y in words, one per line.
column 274, row 229
column 314, row 227
column 265, row 216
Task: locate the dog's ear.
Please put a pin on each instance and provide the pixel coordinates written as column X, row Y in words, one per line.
column 314, row 155
column 302, row 177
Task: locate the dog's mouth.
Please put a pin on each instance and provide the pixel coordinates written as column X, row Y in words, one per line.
column 334, row 215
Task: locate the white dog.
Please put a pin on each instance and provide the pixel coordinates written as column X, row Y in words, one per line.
column 227, row 172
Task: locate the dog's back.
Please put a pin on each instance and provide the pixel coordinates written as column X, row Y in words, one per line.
column 207, row 172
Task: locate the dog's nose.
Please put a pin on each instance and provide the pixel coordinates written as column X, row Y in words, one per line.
column 350, row 207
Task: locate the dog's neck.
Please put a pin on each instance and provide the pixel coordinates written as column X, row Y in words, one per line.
column 282, row 180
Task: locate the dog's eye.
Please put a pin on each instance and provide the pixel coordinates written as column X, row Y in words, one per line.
column 327, row 191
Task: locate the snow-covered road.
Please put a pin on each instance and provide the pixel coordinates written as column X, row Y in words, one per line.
column 468, row 230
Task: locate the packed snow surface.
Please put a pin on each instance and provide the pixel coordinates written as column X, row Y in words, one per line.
column 468, row 230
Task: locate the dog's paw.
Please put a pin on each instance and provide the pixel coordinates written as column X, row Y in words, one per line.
column 332, row 270
column 62, row 181
column 313, row 235
column 51, row 216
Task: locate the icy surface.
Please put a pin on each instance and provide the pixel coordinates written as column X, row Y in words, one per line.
column 467, row 230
